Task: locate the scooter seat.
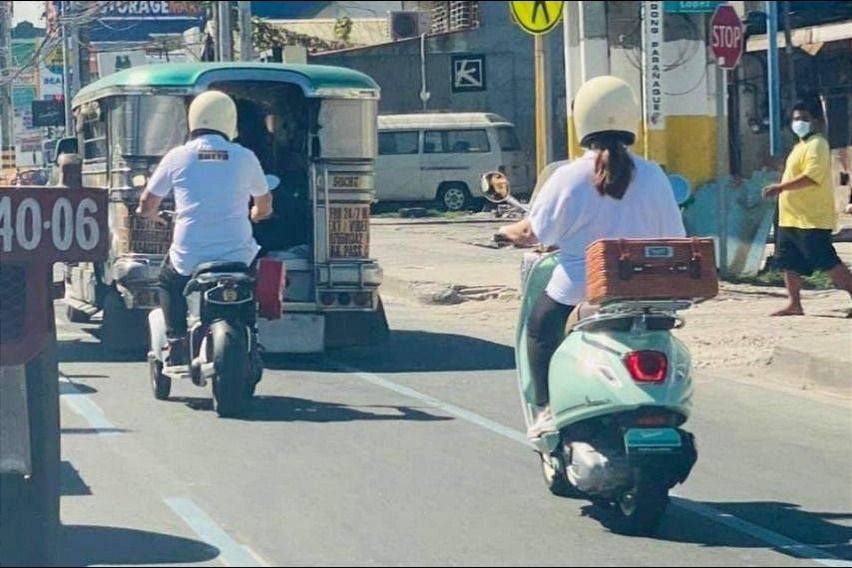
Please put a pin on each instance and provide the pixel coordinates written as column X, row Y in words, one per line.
column 218, row 266
column 578, row 314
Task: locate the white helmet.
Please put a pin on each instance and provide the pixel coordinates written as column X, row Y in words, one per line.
column 213, row 110
column 603, row 104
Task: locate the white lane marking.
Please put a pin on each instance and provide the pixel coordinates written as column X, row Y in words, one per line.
column 779, row 542
column 80, row 403
column 230, row 552
column 451, row 409
column 773, row 539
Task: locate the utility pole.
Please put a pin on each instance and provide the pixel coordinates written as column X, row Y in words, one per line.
column 773, row 79
column 7, row 121
column 542, row 139
column 246, row 49
column 224, row 31
column 788, row 51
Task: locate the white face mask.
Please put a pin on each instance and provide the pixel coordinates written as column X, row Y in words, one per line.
column 801, row 127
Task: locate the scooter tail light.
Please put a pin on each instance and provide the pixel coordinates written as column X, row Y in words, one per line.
column 647, row 366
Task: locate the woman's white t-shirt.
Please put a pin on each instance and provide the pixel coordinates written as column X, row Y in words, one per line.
column 570, row 213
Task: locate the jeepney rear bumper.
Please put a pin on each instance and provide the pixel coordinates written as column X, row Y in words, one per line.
column 136, row 278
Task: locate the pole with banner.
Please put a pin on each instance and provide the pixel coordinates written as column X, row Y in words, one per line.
column 539, row 18
column 653, row 92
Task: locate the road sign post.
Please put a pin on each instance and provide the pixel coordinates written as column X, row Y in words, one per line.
column 727, row 41
column 538, row 18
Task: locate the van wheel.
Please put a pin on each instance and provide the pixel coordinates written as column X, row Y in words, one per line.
column 454, row 197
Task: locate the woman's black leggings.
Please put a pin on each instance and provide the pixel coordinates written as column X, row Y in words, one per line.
column 545, row 331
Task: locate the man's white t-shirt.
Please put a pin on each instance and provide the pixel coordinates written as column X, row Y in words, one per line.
column 212, row 180
column 570, row 213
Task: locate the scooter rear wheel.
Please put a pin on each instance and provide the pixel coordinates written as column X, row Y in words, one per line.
column 232, row 369
column 641, row 513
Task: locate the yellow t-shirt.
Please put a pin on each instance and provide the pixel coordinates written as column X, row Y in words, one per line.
column 811, row 207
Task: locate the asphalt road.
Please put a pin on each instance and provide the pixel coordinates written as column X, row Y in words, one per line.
column 414, row 455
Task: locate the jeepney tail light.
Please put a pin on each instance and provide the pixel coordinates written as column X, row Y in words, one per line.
column 327, row 299
column 363, row 299
column 344, row 298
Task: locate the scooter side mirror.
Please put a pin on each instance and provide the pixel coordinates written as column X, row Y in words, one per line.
column 272, row 182
column 495, row 187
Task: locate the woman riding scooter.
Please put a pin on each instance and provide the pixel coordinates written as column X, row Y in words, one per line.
column 607, row 193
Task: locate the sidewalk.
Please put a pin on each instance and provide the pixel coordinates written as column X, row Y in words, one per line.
column 447, row 267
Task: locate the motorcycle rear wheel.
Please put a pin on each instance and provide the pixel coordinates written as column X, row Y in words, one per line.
column 230, row 359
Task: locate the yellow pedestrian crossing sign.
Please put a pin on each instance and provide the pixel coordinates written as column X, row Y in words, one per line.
column 538, row 16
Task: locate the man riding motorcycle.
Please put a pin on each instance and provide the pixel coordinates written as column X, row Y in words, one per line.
column 213, row 180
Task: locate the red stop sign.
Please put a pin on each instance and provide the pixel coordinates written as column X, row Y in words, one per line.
column 727, row 36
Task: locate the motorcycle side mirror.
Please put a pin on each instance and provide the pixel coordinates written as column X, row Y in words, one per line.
column 272, row 181
column 495, row 187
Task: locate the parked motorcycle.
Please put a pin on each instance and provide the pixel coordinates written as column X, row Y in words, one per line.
column 222, row 338
column 620, row 392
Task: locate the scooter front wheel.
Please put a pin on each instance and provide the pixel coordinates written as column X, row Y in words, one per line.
column 161, row 385
column 553, row 471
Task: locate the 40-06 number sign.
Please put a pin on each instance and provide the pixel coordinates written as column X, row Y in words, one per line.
column 46, row 225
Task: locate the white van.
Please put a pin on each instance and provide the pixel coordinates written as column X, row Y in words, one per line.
column 441, row 156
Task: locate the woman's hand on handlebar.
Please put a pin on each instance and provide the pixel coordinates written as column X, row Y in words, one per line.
column 519, row 234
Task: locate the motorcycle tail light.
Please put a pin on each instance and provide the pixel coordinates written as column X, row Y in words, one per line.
column 647, row 366
column 653, row 420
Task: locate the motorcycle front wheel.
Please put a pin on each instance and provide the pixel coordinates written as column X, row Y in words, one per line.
column 231, row 362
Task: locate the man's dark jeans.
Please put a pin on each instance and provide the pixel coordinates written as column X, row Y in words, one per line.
column 172, row 300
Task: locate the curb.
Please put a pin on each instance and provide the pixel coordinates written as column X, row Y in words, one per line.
column 825, row 372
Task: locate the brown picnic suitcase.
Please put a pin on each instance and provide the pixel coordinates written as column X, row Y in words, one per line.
column 650, row 269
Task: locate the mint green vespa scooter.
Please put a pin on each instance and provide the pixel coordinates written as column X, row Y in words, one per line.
column 620, row 391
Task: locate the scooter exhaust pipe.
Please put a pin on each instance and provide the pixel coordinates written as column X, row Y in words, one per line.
column 200, row 372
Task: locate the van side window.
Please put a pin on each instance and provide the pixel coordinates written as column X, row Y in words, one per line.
column 398, row 142
column 508, row 139
column 456, row 141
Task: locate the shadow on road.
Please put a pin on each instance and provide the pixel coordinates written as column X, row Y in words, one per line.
column 409, row 351
column 75, row 351
column 291, row 409
column 820, row 531
column 83, row 545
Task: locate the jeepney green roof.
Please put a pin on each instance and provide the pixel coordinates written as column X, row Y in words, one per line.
column 315, row 80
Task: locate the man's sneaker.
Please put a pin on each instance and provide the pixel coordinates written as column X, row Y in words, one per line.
column 544, row 424
column 177, row 354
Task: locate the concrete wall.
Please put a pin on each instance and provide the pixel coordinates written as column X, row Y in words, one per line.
column 509, row 73
column 612, row 31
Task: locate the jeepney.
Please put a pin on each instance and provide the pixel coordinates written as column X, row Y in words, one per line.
column 313, row 126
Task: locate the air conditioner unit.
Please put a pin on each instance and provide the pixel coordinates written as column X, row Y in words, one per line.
column 407, row 24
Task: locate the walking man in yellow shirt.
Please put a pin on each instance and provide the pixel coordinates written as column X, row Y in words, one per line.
column 806, row 210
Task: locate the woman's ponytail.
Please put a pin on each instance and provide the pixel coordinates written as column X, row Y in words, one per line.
column 613, row 165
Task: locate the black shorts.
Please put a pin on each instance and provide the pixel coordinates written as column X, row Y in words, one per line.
column 804, row 251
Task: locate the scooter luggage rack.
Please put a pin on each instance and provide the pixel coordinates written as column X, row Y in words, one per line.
column 641, row 309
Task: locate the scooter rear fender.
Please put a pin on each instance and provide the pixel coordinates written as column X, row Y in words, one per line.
column 588, row 376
